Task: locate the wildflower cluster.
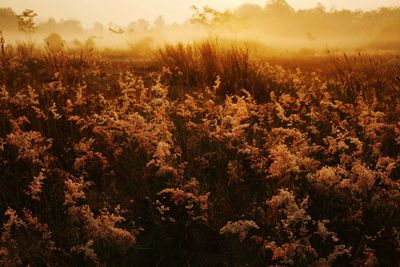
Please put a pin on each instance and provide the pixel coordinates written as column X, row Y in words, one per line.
column 107, row 168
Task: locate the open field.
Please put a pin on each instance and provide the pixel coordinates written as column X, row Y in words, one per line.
column 203, row 156
column 255, row 136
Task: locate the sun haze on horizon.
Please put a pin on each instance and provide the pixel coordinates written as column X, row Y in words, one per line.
column 124, row 11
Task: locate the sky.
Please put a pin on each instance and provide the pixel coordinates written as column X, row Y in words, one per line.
column 122, row 12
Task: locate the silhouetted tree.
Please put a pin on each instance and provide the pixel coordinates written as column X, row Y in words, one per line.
column 8, row 20
column 139, row 25
column 26, row 21
column 278, row 7
column 213, row 20
column 159, row 23
column 97, row 29
column 250, row 10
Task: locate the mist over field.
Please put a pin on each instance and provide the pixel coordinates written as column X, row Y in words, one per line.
column 276, row 26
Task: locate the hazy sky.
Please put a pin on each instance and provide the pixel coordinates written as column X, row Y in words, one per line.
column 124, row 11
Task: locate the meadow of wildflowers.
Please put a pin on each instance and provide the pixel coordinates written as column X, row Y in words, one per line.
column 211, row 158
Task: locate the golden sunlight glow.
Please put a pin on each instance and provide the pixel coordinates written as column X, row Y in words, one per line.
column 199, row 132
column 125, row 11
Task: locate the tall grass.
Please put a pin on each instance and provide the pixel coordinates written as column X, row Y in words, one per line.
column 182, row 167
column 200, row 64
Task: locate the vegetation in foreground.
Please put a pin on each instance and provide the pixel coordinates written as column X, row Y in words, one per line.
column 214, row 159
